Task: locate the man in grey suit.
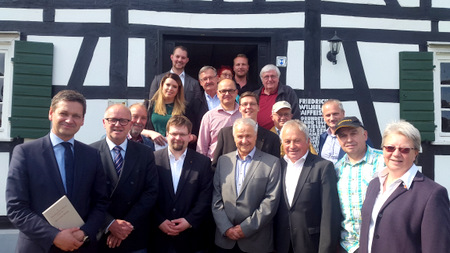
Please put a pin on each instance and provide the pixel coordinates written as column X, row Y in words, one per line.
column 191, row 87
column 309, row 214
column 246, row 194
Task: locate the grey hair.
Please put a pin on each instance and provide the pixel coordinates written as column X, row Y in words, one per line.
column 245, row 121
column 267, row 68
column 335, row 101
column 404, row 128
column 205, row 68
column 295, row 123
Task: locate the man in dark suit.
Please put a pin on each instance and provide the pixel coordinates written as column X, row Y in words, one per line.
column 309, row 214
column 266, row 140
column 132, row 182
column 179, row 59
column 246, row 194
column 183, row 208
column 44, row 170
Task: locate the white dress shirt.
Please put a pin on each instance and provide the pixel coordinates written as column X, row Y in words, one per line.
column 293, row 171
column 176, row 167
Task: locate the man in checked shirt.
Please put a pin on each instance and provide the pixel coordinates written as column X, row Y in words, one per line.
column 354, row 170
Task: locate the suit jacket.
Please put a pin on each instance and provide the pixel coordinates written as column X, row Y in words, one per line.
column 34, row 183
column 132, row 195
column 414, row 220
column 191, row 87
column 191, row 201
column 312, row 223
column 253, row 208
column 266, row 141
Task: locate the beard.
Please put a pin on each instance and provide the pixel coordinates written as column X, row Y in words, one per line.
column 177, row 146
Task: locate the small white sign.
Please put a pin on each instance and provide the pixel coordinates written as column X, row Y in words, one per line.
column 281, row 61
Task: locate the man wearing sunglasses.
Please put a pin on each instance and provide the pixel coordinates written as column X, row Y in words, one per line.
column 354, row 170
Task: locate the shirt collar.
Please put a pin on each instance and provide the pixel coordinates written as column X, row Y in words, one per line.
column 173, row 157
column 249, row 156
column 301, row 160
column 138, row 139
column 55, row 140
column 111, row 144
column 330, row 134
column 236, row 107
column 182, row 75
column 208, row 96
column 406, row 179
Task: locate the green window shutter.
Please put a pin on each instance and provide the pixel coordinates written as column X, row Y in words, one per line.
column 416, row 92
column 32, row 89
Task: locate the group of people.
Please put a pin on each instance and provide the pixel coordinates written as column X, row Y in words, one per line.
column 224, row 166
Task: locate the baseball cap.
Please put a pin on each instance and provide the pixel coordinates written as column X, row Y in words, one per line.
column 280, row 105
column 352, row 122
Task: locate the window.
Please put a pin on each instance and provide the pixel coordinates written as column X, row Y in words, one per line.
column 441, row 53
column 6, row 71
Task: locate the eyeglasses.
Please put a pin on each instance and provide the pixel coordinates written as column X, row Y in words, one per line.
column 391, row 149
column 122, row 122
column 273, row 77
column 223, row 92
column 226, row 75
column 206, row 79
column 178, row 134
column 286, row 115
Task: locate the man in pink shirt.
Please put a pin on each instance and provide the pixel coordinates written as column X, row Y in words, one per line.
column 222, row 116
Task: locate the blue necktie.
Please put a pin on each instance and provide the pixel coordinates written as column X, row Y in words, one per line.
column 68, row 164
column 118, row 159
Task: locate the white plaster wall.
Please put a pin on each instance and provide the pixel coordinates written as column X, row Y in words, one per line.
column 98, row 72
column 444, row 26
column 442, row 171
column 18, row 14
column 375, row 23
column 4, row 165
column 64, row 55
column 295, row 64
column 386, row 113
column 335, row 76
column 380, row 62
column 194, row 20
column 440, row 3
column 83, row 16
column 136, row 62
column 409, row 3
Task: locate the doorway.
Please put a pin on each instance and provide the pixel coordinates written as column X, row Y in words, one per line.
column 217, row 51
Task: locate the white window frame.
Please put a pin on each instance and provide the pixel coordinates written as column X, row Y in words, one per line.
column 441, row 54
column 7, row 42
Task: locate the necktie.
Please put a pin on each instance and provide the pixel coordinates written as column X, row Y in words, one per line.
column 118, row 159
column 68, row 165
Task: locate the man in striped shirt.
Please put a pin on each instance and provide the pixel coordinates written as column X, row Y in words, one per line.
column 354, row 170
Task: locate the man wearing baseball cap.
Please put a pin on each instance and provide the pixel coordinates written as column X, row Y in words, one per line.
column 354, row 170
column 281, row 113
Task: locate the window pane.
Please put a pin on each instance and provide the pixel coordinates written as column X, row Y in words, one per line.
column 2, row 64
column 446, row 121
column 445, row 97
column 445, row 73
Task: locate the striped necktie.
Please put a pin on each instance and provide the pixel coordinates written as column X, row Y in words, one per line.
column 118, row 159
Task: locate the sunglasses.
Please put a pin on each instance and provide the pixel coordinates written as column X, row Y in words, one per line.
column 391, row 149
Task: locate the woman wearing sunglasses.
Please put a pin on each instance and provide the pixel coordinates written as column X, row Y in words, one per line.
column 404, row 211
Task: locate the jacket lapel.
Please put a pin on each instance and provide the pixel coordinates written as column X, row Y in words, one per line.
column 283, row 180
column 250, row 170
column 185, row 171
column 129, row 161
column 260, row 138
column 307, row 166
column 53, row 169
column 108, row 164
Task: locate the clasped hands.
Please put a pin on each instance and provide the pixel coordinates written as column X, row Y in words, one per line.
column 235, row 233
column 120, row 229
column 174, row 227
column 69, row 239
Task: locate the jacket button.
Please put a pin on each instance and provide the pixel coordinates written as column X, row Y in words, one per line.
column 380, row 215
column 377, row 237
column 174, row 210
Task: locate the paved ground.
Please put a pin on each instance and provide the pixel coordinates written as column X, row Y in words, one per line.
column 8, row 239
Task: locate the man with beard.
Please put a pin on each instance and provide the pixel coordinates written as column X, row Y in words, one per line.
column 138, row 122
column 183, row 209
column 240, row 68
